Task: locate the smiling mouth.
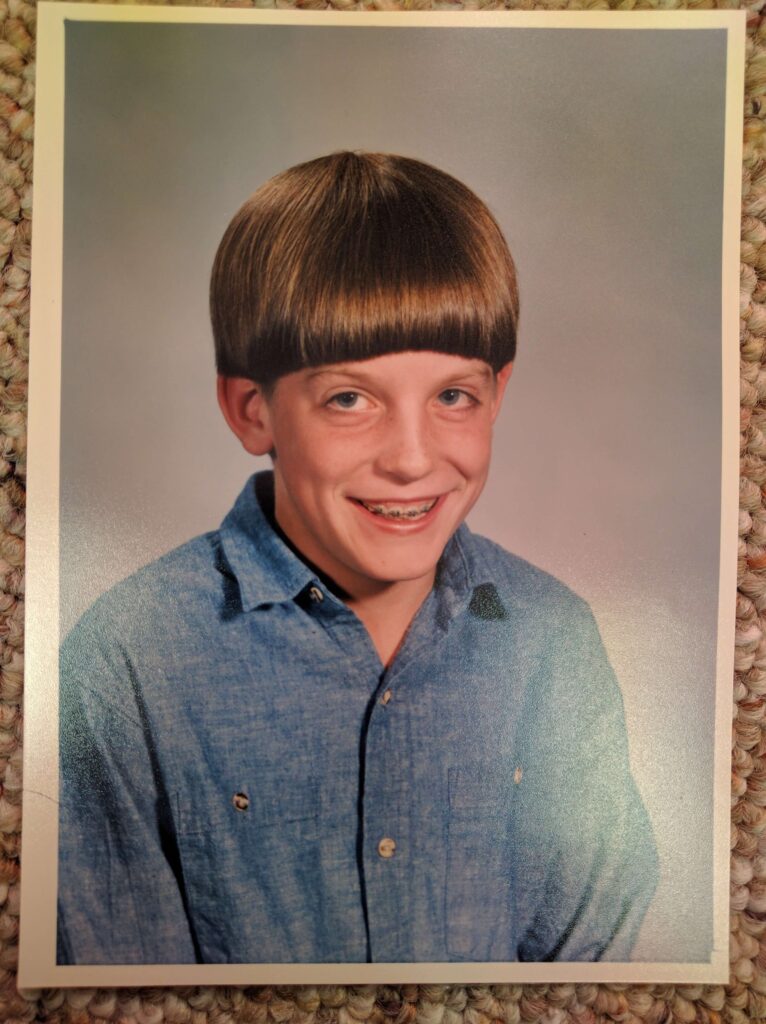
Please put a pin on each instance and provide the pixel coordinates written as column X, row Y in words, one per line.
column 398, row 510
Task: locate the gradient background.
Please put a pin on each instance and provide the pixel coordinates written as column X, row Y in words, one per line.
column 601, row 154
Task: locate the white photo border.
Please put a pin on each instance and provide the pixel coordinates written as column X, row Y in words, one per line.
column 38, row 966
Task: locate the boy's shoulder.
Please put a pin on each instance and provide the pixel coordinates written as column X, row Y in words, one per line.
column 197, row 583
column 179, row 586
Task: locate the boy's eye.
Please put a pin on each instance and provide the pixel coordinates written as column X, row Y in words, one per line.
column 455, row 396
column 345, row 400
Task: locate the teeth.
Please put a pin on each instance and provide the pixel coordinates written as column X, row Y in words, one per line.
column 398, row 511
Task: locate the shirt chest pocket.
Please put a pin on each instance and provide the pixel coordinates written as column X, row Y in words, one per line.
column 245, row 807
column 479, row 911
column 244, row 850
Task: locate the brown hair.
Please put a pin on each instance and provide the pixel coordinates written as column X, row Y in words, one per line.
column 356, row 255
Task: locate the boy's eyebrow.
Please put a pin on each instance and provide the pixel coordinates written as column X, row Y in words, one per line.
column 349, row 370
column 485, row 373
column 313, row 374
column 339, row 370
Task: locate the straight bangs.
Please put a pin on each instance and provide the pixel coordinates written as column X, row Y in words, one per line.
column 354, row 256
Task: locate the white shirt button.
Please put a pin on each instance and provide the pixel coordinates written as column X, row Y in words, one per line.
column 386, row 847
column 386, row 697
column 316, row 594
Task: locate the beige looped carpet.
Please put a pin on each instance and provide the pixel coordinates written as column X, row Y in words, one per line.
column 745, row 997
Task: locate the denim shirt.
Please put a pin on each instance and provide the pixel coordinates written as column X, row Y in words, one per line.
column 243, row 781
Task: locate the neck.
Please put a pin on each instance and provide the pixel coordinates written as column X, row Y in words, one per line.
column 388, row 612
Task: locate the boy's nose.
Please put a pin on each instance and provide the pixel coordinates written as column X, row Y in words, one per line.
column 406, row 451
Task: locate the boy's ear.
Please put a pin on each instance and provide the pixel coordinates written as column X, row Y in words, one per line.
column 501, row 379
column 246, row 410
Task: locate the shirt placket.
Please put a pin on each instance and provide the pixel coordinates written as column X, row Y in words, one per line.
column 386, row 849
column 382, row 841
column 392, row 737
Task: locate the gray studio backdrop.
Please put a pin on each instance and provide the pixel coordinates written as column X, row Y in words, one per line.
column 600, row 153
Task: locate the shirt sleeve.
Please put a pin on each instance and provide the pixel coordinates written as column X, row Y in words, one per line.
column 599, row 875
column 120, row 900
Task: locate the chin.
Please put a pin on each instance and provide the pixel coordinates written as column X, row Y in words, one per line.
column 405, row 571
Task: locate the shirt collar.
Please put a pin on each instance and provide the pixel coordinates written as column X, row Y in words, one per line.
column 269, row 572
column 459, row 573
column 266, row 570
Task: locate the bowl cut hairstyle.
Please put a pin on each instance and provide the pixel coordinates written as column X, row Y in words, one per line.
column 356, row 255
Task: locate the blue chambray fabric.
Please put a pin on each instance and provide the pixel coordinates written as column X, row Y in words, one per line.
column 233, row 752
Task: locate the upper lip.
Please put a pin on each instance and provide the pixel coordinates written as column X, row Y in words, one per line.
column 397, row 501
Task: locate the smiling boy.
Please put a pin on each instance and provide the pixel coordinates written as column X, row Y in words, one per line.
column 379, row 462
column 342, row 728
